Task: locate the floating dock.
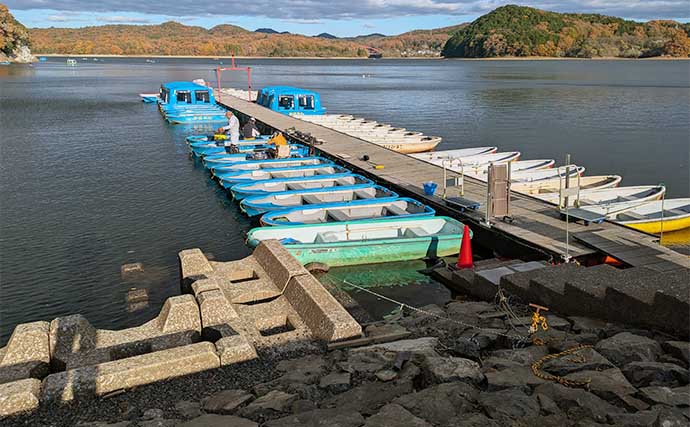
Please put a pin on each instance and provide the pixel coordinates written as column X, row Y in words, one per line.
column 536, row 225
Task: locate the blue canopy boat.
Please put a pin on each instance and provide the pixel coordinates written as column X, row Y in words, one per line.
column 265, row 187
column 290, row 100
column 187, row 102
column 348, row 211
column 257, row 205
column 221, row 171
column 228, row 181
column 367, row 241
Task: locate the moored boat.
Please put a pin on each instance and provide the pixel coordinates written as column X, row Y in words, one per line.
column 657, row 216
column 231, row 168
column 553, row 185
column 335, row 212
column 229, row 180
column 256, row 205
column 366, row 242
column 543, row 174
column 451, row 154
column 240, row 191
column 224, row 159
column 515, row 167
column 476, row 163
column 610, row 200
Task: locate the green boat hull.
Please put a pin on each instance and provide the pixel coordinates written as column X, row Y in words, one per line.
column 356, row 253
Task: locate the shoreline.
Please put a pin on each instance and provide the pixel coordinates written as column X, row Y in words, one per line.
column 503, row 58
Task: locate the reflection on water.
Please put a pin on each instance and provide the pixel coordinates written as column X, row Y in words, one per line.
column 678, row 240
column 91, row 178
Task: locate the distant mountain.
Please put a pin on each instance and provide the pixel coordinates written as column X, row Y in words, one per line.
column 524, row 31
column 326, row 36
column 364, row 36
column 266, row 31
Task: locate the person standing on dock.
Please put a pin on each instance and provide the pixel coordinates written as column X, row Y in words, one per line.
column 232, row 128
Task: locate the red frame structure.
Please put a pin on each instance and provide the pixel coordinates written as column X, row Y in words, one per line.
column 233, row 67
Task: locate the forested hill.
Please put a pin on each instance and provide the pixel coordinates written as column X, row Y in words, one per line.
column 172, row 38
column 14, row 38
column 524, row 31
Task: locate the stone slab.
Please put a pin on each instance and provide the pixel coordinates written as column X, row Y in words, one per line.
column 27, row 353
column 193, row 266
column 235, row 349
column 127, row 373
column 278, row 262
column 19, row 396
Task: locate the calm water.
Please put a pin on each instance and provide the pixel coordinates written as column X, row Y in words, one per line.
column 91, row 178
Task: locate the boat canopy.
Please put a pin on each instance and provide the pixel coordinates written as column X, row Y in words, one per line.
column 186, row 93
column 290, row 100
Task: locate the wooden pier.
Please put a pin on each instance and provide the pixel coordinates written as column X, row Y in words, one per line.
column 536, row 224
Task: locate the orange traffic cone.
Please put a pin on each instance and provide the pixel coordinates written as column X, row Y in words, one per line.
column 465, row 257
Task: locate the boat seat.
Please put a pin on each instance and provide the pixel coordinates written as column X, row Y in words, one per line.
column 414, row 232
column 361, row 194
column 395, row 210
column 630, row 216
column 310, row 199
column 675, row 212
column 326, row 237
column 339, row 215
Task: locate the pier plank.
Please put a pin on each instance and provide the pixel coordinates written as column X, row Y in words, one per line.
column 536, row 223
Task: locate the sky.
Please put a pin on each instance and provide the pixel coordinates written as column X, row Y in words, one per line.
column 310, row 17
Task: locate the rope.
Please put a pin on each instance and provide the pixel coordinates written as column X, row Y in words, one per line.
column 428, row 313
column 538, row 372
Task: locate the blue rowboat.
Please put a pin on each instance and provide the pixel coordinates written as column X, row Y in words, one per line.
column 228, row 181
column 220, row 171
column 220, row 160
column 342, row 212
column 196, row 140
column 255, row 188
column 205, row 149
column 366, row 242
column 257, row 205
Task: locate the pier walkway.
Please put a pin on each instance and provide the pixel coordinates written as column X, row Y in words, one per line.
column 535, row 224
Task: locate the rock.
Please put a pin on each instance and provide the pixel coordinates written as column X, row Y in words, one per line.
column 440, row 403
column 474, row 420
column 439, row 369
column 584, row 360
column 159, row 422
column 104, row 424
column 609, row 384
column 302, row 405
column 678, row 349
column 267, row 405
column 467, row 348
column 386, row 375
column 679, row 396
column 393, row 415
column 547, row 405
column 523, row 356
column 227, row 401
column 151, row 414
column 520, row 377
column 188, row 409
column 587, row 325
column 468, row 311
column 638, row 419
column 625, row 347
column 419, row 346
column 211, row 420
column 670, row 417
column 644, row 374
column 577, row 403
column 319, row 418
column 306, row 370
column 335, row 382
column 368, row 397
column 510, row 404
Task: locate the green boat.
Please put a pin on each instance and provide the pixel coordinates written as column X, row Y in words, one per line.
column 366, row 241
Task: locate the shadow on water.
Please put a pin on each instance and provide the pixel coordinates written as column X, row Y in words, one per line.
column 400, row 281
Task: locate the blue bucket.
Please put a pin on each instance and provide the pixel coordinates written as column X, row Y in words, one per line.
column 430, row 188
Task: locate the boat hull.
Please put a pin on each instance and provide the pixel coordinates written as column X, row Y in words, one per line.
column 655, row 227
column 241, row 191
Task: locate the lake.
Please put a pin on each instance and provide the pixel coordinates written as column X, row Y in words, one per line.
column 92, row 178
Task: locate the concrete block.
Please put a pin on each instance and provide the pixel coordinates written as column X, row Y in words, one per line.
column 180, row 313
column 462, row 282
column 193, row 266
column 324, row 316
column 27, row 353
column 277, row 262
column 127, row 373
column 19, row 396
column 548, row 284
column 129, row 271
column 671, row 307
column 235, row 349
column 70, row 335
column 215, row 308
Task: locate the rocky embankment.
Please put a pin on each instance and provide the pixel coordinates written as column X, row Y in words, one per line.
column 14, row 39
column 460, row 366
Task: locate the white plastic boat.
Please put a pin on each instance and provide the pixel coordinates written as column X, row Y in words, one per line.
column 610, row 200
column 451, row 154
column 515, row 167
column 553, row 185
column 657, row 216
